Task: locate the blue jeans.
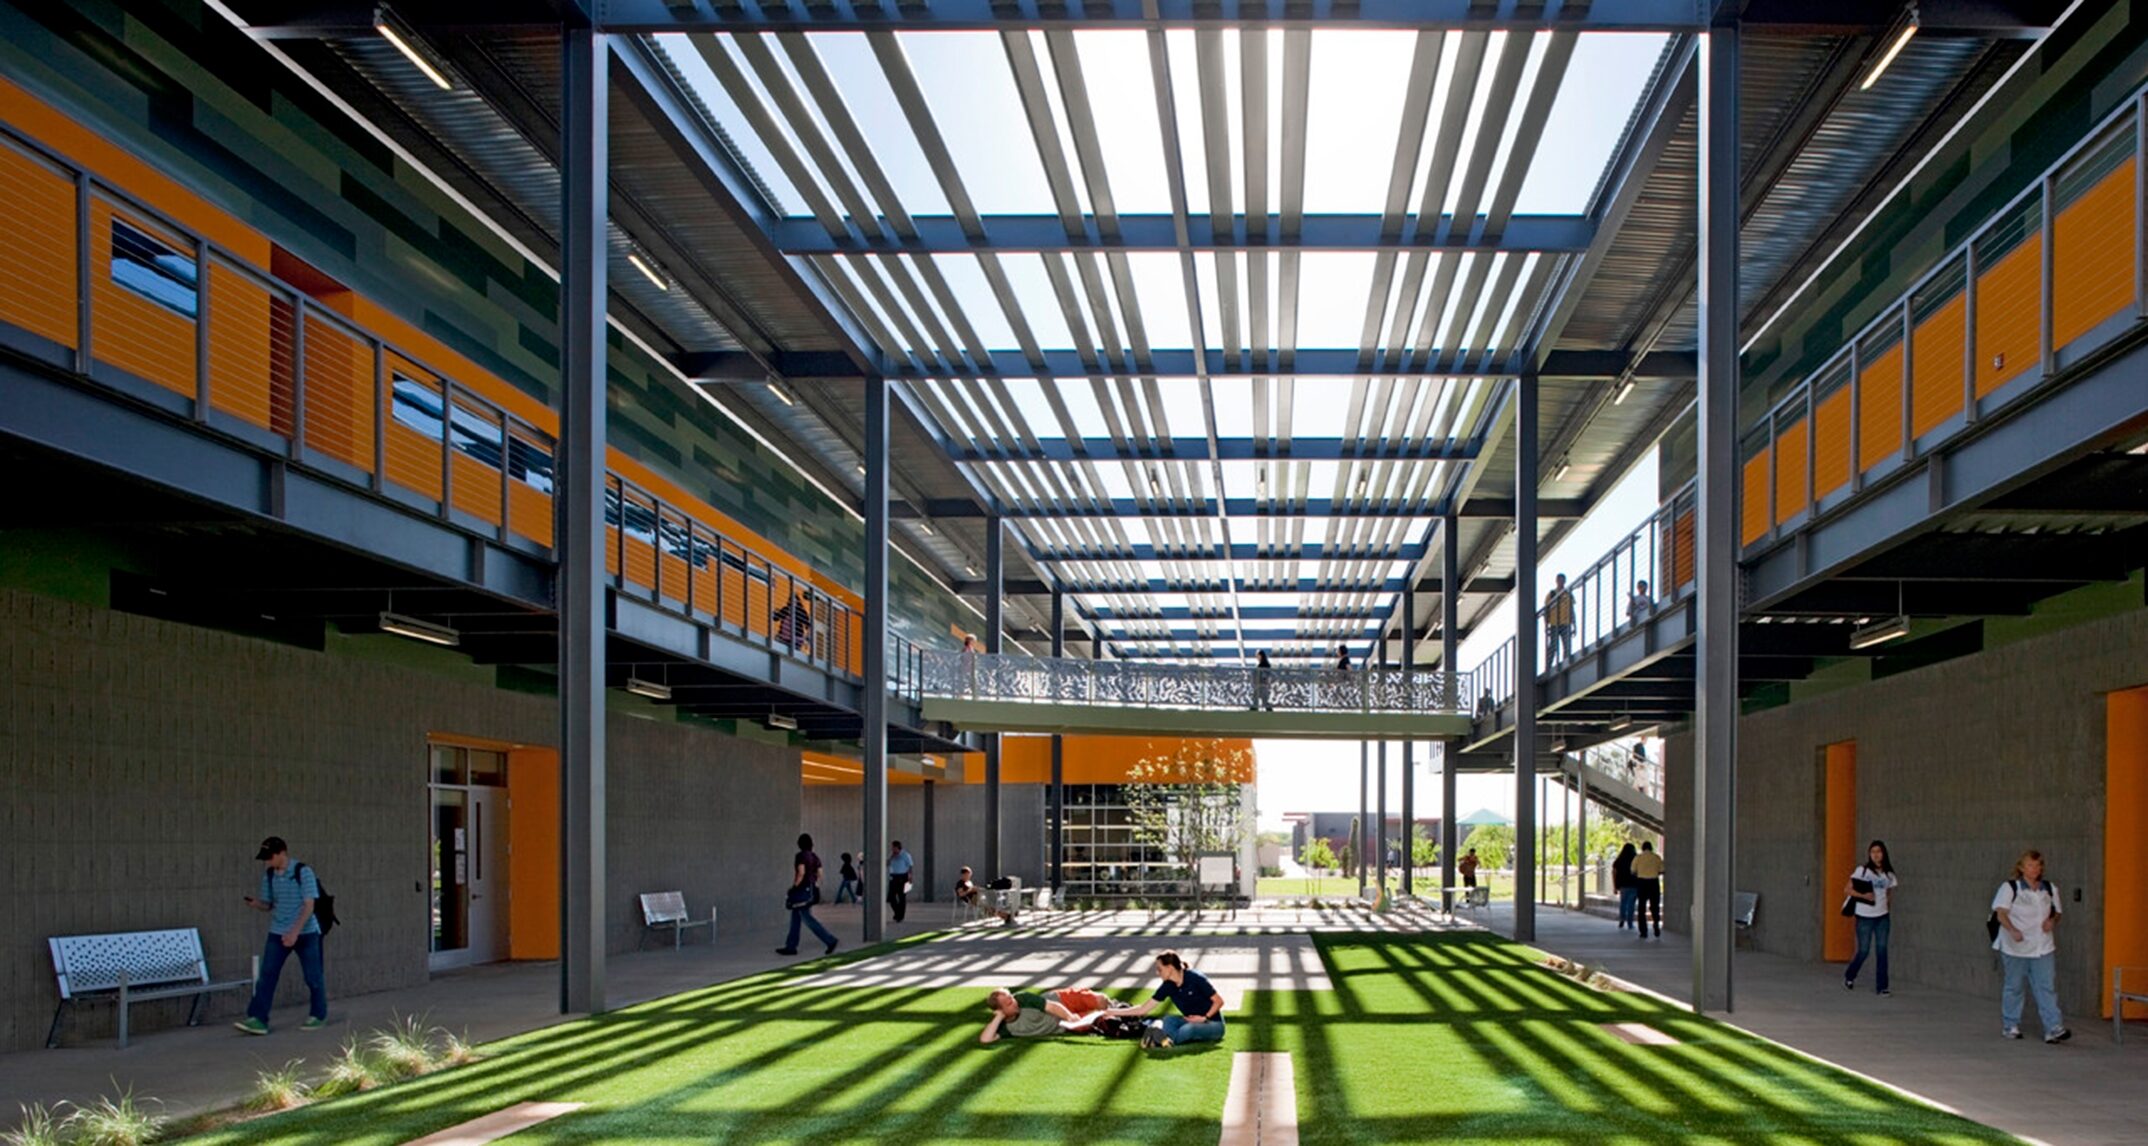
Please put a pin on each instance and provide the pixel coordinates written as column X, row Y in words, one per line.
column 2039, row 973
column 846, row 890
column 1627, row 897
column 273, row 953
column 1181, row 1030
column 805, row 915
column 1871, row 940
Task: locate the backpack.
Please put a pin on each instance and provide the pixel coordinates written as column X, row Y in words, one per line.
column 1991, row 924
column 1118, row 1027
column 324, row 904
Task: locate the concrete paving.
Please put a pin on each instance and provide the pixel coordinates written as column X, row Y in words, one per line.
column 1942, row 1046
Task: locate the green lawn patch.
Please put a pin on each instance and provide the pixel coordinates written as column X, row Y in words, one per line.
column 1451, row 1038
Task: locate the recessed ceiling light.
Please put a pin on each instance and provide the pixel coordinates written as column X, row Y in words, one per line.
column 410, row 52
column 1901, row 40
column 647, row 267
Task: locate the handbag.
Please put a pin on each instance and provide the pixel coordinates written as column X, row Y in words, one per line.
column 1849, row 905
column 800, row 897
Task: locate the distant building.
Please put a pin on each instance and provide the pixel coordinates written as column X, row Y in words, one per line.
column 1334, row 827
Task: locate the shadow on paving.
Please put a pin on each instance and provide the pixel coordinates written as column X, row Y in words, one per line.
column 1455, row 1037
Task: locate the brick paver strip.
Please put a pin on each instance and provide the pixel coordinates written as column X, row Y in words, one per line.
column 1262, row 1106
column 498, row 1124
column 1641, row 1034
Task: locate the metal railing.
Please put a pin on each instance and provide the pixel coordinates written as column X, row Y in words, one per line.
column 105, row 284
column 1647, row 569
column 1642, row 774
column 1234, row 688
column 2050, row 278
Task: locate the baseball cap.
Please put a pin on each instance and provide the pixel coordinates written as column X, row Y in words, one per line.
column 270, row 846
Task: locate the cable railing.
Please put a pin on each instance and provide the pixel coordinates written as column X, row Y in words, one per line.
column 1231, row 688
column 2048, row 280
column 1647, row 569
column 175, row 318
column 1628, row 766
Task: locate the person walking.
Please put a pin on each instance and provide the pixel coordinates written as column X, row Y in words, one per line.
column 1467, row 866
column 1648, row 882
column 1261, row 670
column 1639, row 603
column 1622, row 883
column 847, row 887
column 2026, row 908
column 804, row 893
column 1558, row 623
column 289, row 893
column 1871, row 887
column 899, row 867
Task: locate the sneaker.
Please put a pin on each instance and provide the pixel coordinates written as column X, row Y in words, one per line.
column 312, row 1024
column 251, row 1025
column 786, row 951
column 1849, row 984
column 2010, row 1033
column 1885, row 991
column 831, row 948
column 2058, row 1036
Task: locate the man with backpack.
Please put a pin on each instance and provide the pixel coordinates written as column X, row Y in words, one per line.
column 292, row 896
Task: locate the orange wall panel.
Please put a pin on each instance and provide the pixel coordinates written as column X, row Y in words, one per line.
column 2125, row 843
column 338, row 393
column 2093, row 245
column 1682, row 550
column 529, row 512
column 1831, row 443
column 2009, row 295
column 1791, row 494
column 477, row 488
column 241, row 367
column 1937, row 359
column 1754, row 519
column 533, row 853
column 146, row 339
column 413, row 460
column 38, row 248
column 1879, row 409
column 1839, row 851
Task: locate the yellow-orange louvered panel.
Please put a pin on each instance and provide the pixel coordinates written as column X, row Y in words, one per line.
column 338, row 393
column 37, row 248
column 758, row 606
column 413, row 405
column 1755, row 516
column 477, row 474
column 734, row 597
column 128, row 329
column 1936, row 362
column 640, row 518
column 2093, row 245
column 2008, row 295
column 704, row 571
column 1682, row 550
column 1790, row 488
column 1879, row 409
column 241, row 369
column 853, row 656
column 672, row 564
column 1831, row 443
column 611, row 550
column 529, row 512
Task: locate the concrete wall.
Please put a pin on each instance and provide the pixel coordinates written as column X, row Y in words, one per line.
column 145, row 761
column 834, row 816
column 1960, row 766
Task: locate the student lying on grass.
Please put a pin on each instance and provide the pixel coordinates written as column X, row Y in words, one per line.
column 1028, row 1014
column 1200, row 1008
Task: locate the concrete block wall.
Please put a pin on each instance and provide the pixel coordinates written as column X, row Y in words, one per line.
column 834, row 814
column 144, row 761
column 1960, row 766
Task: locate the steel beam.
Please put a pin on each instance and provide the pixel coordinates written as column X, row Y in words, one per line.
column 584, row 194
column 874, row 650
column 1716, row 640
column 1381, row 815
column 1450, row 624
column 1247, row 507
column 1241, row 551
column 1135, row 15
column 1364, row 807
column 1059, row 778
column 1169, row 363
column 995, row 570
column 1525, row 638
column 1193, row 449
column 1409, row 747
column 1050, row 234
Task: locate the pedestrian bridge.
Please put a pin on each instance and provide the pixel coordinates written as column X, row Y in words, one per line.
column 1012, row 693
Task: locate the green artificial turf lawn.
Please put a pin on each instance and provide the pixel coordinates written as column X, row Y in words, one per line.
column 1457, row 1038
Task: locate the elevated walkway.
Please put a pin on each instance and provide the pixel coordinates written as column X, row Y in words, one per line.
column 1631, row 789
column 1007, row 693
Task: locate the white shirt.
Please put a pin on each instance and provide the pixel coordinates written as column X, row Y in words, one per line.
column 2027, row 910
column 1882, row 882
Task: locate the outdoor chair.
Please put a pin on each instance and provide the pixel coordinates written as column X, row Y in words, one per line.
column 1744, row 907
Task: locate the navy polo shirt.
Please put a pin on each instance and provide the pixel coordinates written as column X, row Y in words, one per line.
column 1193, row 995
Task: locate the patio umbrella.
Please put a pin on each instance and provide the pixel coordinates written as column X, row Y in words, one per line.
column 1482, row 817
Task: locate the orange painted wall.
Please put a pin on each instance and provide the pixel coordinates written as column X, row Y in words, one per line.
column 1838, row 849
column 2125, row 842
column 533, row 853
column 1028, row 760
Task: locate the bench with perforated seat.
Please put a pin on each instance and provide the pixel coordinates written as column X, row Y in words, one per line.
column 666, row 911
column 130, row 967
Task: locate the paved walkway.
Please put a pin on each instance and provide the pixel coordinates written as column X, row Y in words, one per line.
column 1942, row 1046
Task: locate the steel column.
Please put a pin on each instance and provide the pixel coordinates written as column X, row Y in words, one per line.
column 1715, row 710
column 1380, row 836
column 1581, row 833
column 1450, row 624
column 583, row 209
column 1058, row 793
column 1525, row 638
column 1364, row 807
column 926, row 849
column 873, row 732
column 1409, row 747
column 994, row 575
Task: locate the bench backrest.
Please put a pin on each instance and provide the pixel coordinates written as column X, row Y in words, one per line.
column 1743, row 907
column 663, row 907
column 86, row 963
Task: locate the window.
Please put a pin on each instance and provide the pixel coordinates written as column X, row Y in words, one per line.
column 529, row 463
column 417, row 404
column 154, row 269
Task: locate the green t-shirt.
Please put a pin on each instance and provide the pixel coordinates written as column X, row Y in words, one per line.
column 1031, row 1020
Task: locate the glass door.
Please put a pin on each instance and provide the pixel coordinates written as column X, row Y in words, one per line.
column 468, row 856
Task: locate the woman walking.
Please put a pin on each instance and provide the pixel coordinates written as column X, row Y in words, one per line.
column 804, row 893
column 1871, row 889
column 2026, row 909
column 1623, row 883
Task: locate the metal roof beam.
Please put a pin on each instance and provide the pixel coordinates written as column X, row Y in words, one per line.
column 1179, row 362
column 1250, row 587
column 1244, row 507
column 1225, row 449
column 1239, row 551
column 1015, row 234
column 1023, row 15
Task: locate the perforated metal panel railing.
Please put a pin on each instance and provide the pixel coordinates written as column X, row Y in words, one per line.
column 1228, row 688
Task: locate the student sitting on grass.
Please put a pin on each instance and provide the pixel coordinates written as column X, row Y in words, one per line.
column 1200, row 1008
column 1028, row 1014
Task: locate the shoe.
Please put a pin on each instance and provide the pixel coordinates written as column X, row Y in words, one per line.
column 1885, row 991
column 251, row 1025
column 831, row 948
column 2010, row 1033
column 2058, row 1036
column 1849, row 984
column 312, row 1024
column 786, row 951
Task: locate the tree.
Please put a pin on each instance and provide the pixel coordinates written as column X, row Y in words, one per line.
column 1318, row 855
column 1423, row 853
column 1347, row 857
column 1494, row 844
column 1190, row 802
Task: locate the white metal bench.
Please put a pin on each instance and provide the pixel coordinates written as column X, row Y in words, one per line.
column 1744, row 906
column 2122, row 994
column 131, row 967
column 666, row 911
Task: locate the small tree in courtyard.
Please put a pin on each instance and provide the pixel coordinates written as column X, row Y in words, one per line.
column 1190, row 801
column 1319, row 856
column 1423, row 853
